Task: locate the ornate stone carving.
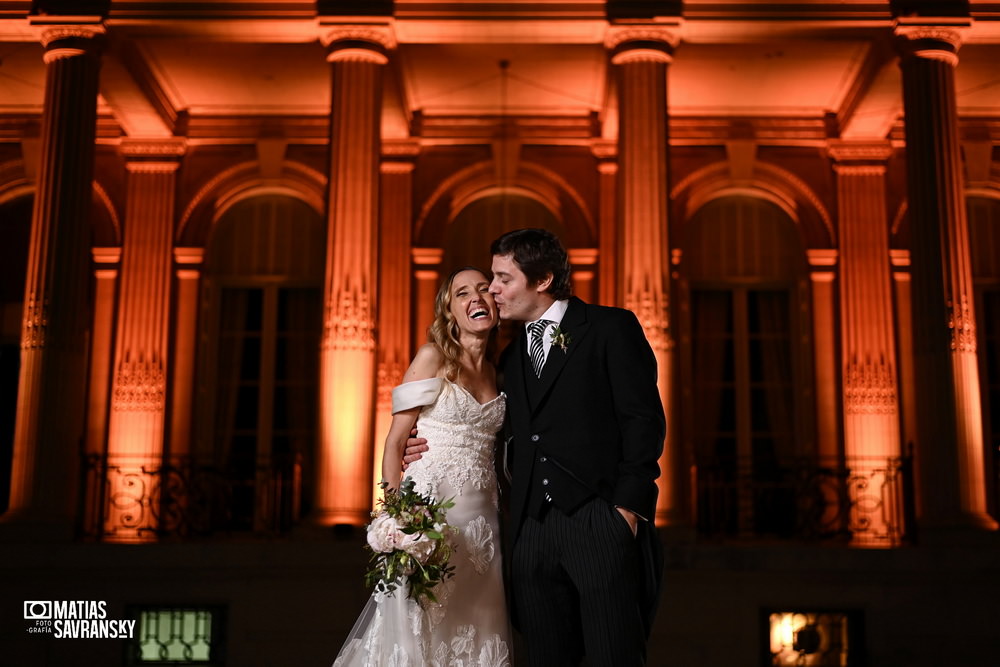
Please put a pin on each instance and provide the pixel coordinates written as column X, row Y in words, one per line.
column 35, row 323
column 349, row 325
column 869, row 388
column 962, row 326
column 140, row 385
column 388, row 375
column 931, row 41
column 49, row 35
column 359, row 43
column 174, row 148
column 652, row 311
column 668, row 35
column 844, row 151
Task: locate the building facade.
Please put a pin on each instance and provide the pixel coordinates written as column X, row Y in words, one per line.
column 225, row 223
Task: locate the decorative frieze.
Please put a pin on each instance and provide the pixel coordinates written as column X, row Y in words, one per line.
column 35, row 322
column 870, row 388
column 140, row 385
column 962, row 326
column 349, row 324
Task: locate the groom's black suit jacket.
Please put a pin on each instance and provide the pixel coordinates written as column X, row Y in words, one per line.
column 594, row 416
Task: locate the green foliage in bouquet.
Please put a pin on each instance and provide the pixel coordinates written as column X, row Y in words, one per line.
column 409, row 539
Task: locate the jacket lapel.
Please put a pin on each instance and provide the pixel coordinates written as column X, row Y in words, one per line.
column 575, row 325
column 514, row 379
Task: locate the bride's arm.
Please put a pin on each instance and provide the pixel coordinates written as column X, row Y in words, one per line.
column 425, row 365
column 392, row 455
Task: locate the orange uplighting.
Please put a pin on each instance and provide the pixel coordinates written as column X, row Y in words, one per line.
column 345, row 460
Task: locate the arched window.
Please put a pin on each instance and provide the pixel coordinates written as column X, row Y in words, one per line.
column 984, row 244
column 745, row 367
column 258, row 375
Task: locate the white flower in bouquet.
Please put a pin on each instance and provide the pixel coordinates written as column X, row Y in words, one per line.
column 419, row 546
column 385, row 534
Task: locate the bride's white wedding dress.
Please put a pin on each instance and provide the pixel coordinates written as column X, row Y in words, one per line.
column 468, row 625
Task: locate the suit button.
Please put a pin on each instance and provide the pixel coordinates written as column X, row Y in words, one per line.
column 535, row 438
column 543, row 459
column 545, row 482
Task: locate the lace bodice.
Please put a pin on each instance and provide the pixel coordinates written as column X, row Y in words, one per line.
column 460, row 433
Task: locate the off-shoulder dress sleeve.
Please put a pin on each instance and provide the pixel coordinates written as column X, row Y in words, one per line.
column 416, row 394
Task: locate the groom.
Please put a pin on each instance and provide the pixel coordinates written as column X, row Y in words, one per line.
column 587, row 428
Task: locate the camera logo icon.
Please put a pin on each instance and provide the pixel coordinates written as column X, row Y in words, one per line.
column 38, row 610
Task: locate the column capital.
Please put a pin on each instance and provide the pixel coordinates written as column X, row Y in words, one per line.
column 74, row 34
column 931, row 38
column 358, row 42
column 642, row 42
column 153, row 148
column 605, row 150
column 866, row 152
column 398, row 156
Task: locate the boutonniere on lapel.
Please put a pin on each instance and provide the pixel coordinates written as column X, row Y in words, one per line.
column 560, row 338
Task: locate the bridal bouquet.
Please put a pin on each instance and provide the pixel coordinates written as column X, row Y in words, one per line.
column 409, row 539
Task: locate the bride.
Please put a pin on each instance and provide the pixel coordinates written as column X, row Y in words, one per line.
column 449, row 393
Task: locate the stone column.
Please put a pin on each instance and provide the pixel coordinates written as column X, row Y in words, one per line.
column 49, row 429
column 641, row 56
column 394, row 353
column 868, row 338
column 139, row 389
column 347, row 357
column 949, row 420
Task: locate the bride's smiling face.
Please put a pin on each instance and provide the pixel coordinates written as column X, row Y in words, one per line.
column 472, row 304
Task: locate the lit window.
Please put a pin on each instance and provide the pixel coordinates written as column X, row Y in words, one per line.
column 814, row 638
column 177, row 636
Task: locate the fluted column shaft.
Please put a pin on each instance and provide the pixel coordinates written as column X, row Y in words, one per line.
column 394, row 294
column 643, row 184
column 50, row 408
column 139, row 389
column 868, row 349
column 949, row 419
column 347, row 358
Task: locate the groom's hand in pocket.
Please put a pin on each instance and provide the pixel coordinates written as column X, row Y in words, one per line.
column 415, row 448
column 631, row 517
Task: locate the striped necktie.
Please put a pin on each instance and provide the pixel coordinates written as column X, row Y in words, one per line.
column 537, row 350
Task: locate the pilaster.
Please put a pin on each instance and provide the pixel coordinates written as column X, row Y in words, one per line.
column 395, row 305
column 607, row 236
column 139, row 386
column 868, row 340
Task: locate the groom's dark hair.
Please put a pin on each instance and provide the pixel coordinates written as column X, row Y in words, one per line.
column 538, row 253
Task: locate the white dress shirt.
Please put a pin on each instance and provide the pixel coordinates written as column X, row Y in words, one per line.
column 555, row 315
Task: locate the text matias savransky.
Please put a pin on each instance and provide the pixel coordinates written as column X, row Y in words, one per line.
column 77, row 619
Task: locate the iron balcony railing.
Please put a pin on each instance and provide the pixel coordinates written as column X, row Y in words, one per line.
column 863, row 502
column 129, row 500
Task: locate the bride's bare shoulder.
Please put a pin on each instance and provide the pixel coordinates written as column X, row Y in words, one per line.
column 427, row 363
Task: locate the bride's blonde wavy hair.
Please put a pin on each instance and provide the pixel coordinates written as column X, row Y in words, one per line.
column 443, row 331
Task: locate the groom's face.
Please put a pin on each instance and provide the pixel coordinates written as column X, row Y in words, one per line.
column 515, row 298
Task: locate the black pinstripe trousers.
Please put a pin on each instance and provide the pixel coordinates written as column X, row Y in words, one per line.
column 574, row 581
